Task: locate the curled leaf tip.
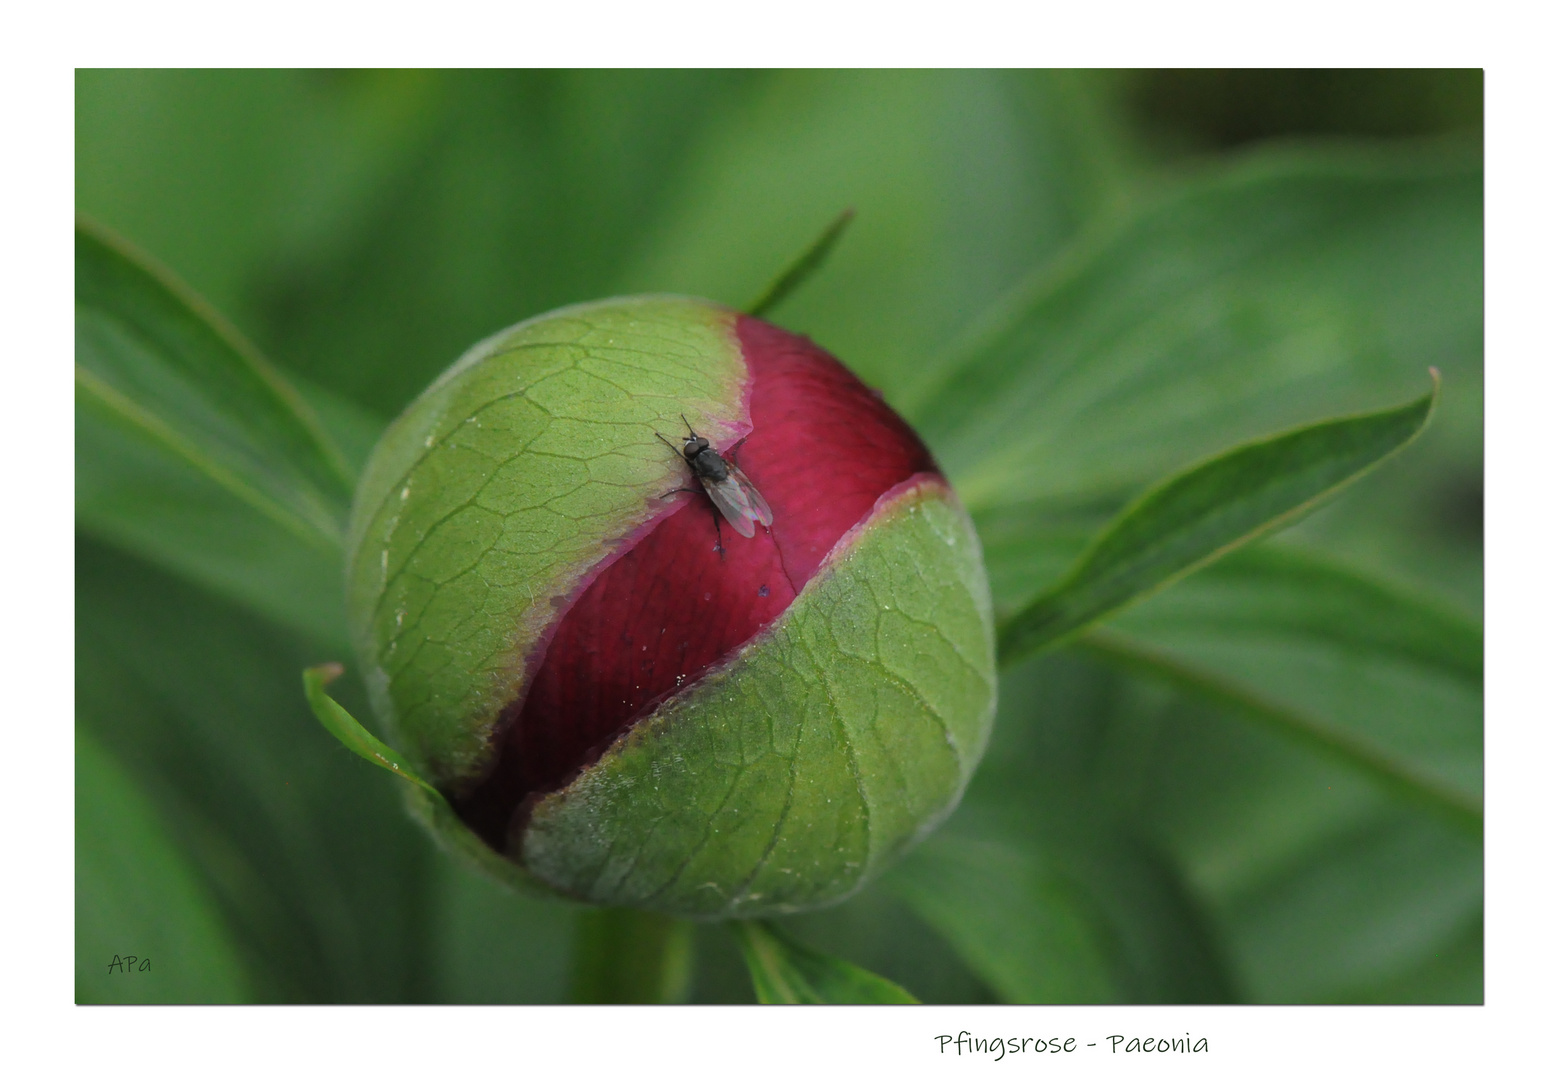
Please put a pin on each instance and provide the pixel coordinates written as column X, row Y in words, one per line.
column 349, row 731
column 326, row 673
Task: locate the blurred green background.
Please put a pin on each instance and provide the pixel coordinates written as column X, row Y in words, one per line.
column 1127, row 840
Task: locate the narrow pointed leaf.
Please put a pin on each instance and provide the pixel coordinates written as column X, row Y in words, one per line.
column 1207, row 511
column 785, row 972
column 1327, row 646
column 805, row 265
column 348, row 730
column 152, row 351
column 193, row 451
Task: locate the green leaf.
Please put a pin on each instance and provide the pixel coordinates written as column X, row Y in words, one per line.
column 1321, row 886
column 193, row 451
column 227, row 175
column 1085, row 755
column 785, row 972
column 1365, row 673
column 1325, row 647
column 805, row 265
column 1029, row 546
column 1285, row 594
column 348, row 730
column 366, row 226
column 424, row 801
column 1347, row 747
column 1305, row 934
column 1450, row 975
column 146, row 928
column 1025, row 927
column 453, row 203
column 150, row 351
column 1047, row 890
column 130, row 494
column 1372, row 676
column 875, row 929
column 323, row 879
column 1292, row 284
column 1207, row 511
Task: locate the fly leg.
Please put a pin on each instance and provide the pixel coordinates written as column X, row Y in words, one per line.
column 715, row 515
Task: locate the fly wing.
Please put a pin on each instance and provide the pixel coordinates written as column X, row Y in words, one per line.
column 739, row 501
column 756, row 501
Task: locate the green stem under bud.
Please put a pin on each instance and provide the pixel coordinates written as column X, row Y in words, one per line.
column 627, row 957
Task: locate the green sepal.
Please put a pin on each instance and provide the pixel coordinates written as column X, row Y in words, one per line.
column 785, row 972
column 504, row 487
column 453, row 836
column 791, row 775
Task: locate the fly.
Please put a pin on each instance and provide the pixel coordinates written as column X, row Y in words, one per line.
column 732, row 493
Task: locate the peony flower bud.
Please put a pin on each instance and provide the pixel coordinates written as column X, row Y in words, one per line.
column 618, row 691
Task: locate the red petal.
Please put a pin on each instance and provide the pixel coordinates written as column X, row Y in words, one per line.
column 823, row 448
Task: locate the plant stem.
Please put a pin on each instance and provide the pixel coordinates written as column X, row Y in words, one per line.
column 626, row 957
